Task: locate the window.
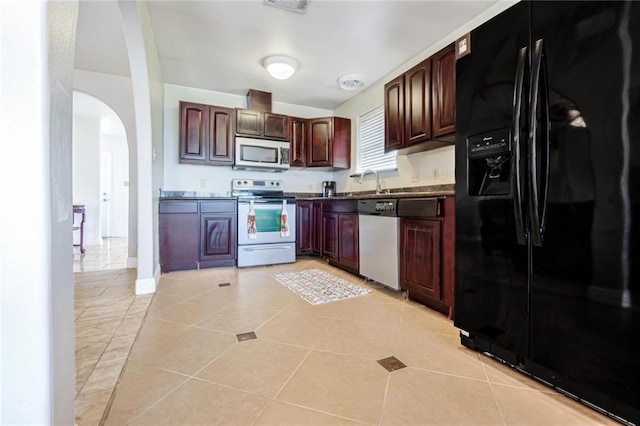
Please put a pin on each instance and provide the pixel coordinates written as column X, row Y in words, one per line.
column 371, row 153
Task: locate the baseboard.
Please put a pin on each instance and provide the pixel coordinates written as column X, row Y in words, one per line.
column 145, row 286
column 132, row 262
column 156, row 274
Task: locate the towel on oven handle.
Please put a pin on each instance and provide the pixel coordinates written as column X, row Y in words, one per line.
column 284, row 221
column 252, row 231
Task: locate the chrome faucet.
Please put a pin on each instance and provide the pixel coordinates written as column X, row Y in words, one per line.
column 378, row 190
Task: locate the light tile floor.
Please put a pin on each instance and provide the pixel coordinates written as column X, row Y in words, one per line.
column 111, row 254
column 108, row 316
column 312, row 365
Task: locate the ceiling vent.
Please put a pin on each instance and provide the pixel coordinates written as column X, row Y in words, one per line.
column 297, row 6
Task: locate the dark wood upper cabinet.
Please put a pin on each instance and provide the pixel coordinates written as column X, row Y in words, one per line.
column 443, row 83
column 417, row 102
column 249, row 122
column 320, row 142
column 193, row 133
column 206, row 134
column 328, row 142
column 394, row 114
column 262, row 124
column 420, row 105
column 221, row 135
column 276, row 126
column 298, row 156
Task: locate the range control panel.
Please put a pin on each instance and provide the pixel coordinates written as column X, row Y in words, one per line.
column 256, row 184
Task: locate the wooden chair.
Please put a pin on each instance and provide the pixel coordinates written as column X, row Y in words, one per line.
column 79, row 209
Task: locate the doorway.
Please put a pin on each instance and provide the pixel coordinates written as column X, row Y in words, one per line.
column 101, row 183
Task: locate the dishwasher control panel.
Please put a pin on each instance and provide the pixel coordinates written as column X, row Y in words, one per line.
column 387, row 207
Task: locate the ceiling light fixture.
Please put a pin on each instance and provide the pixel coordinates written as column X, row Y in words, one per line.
column 351, row 82
column 280, row 67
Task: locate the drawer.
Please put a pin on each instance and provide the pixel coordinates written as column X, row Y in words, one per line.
column 420, row 207
column 226, row 206
column 340, row 206
column 178, row 207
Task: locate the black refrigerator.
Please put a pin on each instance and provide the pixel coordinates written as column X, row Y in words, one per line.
column 548, row 197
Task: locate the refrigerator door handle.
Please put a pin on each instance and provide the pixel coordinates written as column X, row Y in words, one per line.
column 538, row 195
column 516, row 166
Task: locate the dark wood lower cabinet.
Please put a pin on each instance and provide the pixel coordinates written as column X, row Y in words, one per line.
column 316, row 226
column 216, row 240
column 427, row 257
column 348, row 241
column 330, row 235
column 340, row 234
column 304, row 227
column 420, row 242
column 197, row 234
column 179, row 226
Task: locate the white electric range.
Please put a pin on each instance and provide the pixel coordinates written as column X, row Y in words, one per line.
column 268, row 245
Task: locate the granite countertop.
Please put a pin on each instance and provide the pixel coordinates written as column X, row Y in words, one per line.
column 410, row 192
column 195, row 195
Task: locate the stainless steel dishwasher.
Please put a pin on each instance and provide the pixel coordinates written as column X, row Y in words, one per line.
column 379, row 241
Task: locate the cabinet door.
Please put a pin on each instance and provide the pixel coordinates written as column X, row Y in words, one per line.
column 178, row 233
column 316, row 224
column 193, row 133
column 276, row 126
column 417, row 102
column 248, row 122
column 330, row 235
column 221, row 133
column 394, row 114
column 420, row 244
column 341, row 143
column 348, row 240
column 298, row 156
column 319, row 142
column 443, row 86
column 304, row 228
column 216, row 239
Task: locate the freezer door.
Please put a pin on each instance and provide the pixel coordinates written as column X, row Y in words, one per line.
column 585, row 295
column 491, row 251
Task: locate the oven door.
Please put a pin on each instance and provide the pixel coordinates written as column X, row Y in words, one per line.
column 267, row 221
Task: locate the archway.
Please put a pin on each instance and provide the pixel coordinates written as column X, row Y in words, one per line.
column 100, row 183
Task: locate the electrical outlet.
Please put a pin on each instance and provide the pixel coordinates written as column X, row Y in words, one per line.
column 310, row 187
column 203, row 183
column 415, row 177
column 436, row 173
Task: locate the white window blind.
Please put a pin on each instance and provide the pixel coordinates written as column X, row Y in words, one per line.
column 371, row 153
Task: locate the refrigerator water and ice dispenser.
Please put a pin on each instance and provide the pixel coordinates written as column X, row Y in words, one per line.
column 489, row 163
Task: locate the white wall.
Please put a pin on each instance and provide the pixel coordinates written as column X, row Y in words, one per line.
column 187, row 177
column 36, row 256
column 86, row 176
column 117, row 147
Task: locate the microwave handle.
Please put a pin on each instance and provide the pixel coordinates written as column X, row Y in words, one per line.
column 284, row 155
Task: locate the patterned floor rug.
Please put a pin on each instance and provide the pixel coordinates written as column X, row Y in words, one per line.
column 316, row 286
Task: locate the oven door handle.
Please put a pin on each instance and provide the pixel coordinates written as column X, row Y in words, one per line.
column 263, row 201
column 266, row 248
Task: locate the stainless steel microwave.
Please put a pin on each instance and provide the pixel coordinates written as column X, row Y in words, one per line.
column 262, row 154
